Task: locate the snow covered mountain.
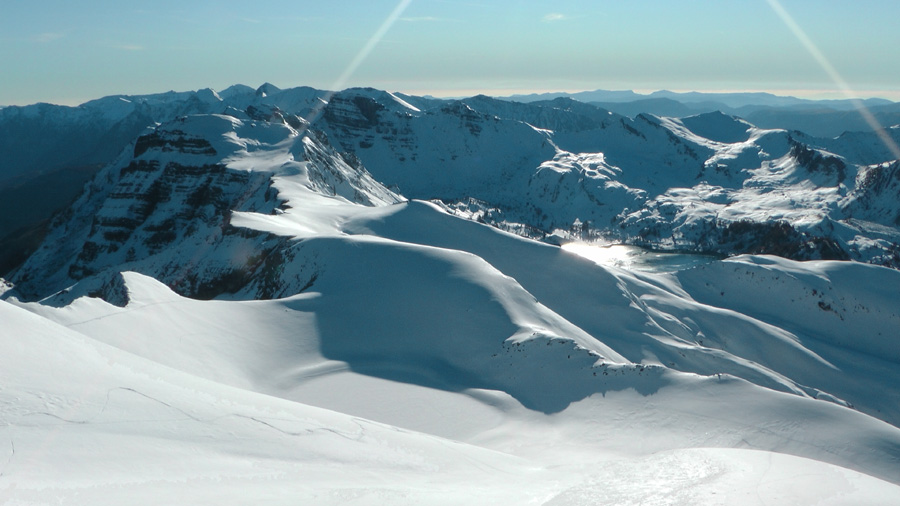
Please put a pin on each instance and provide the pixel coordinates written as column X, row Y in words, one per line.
column 822, row 118
column 710, row 183
column 251, row 295
column 171, row 199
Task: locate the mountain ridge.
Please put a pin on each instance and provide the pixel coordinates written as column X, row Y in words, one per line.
column 294, row 287
column 398, row 142
column 729, row 99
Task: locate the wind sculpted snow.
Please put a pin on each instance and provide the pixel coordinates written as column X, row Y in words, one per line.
column 457, row 360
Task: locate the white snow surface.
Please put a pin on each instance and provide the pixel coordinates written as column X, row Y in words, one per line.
column 436, row 360
column 176, row 400
column 496, row 151
column 408, row 356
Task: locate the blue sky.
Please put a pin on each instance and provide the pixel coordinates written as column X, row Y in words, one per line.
column 71, row 51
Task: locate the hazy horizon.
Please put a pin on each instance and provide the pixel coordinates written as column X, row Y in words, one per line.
column 68, row 53
column 503, row 92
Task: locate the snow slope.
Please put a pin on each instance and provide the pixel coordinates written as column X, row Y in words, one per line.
column 659, row 320
column 171, row 199
column 88, row 423
column 358, row 347
column 106, row 424
column 710, row 182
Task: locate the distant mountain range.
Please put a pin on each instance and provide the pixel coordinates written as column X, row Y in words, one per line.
column 820, row 118
column 730, row 100
column 538, row 167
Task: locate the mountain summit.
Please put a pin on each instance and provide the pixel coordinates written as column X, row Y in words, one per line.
column 708, row 183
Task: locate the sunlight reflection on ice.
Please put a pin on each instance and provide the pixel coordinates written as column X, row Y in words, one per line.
column 636, row 258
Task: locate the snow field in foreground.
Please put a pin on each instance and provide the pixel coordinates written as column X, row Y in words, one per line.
column 92, row 423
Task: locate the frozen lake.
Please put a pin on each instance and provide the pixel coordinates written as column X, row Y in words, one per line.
column 637, row 258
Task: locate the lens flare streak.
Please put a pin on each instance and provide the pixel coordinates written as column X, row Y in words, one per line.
column 835, row 76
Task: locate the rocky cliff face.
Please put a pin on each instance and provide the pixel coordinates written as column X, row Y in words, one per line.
column 876, row 194
column 165, row 208
column 556, row 169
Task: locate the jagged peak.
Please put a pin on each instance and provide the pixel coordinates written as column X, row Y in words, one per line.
column 459, row 107
column 236, row 90
column 208, row 95
column 267, row 89
column 383, row 98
